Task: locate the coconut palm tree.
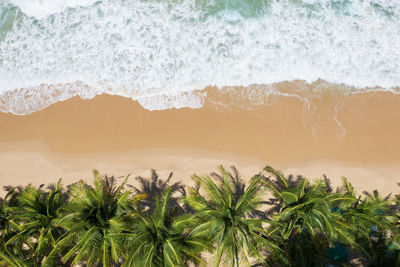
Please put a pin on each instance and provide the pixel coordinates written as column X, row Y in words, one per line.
column 36, row 215
column 8, row 226
column 305, row 218
column 395, row 229
column 371, row 212
column 164, row 237
column 11, row 254
column 93, row 219
column 374, row 219
column 225, row 217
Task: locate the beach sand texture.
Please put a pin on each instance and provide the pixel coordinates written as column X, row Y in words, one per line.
column 305, row 86
column 358, row 139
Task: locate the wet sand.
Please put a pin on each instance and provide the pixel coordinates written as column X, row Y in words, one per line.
column 357, row 138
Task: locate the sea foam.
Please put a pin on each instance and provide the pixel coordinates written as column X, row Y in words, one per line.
column 160, row 52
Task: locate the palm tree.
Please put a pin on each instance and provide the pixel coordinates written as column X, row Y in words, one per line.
column 94, row 219
column 372, row 211
column 374, row 220
column 36, row 214
column 225, row 216
column 305, row 218
column 11, row 254
column 8, row 226
column 165, row 238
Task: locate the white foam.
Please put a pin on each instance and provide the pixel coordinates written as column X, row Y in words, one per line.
column 174, row 100
column 153, row 51
column 43, row 8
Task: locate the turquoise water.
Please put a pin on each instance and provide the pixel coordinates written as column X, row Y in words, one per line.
column 158, row 52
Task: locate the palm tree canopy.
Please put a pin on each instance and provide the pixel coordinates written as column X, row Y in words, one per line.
column 275, row 220
column 93, row 219
column 8, row 226
column 165, row 238
column 371, row 211
column 34, row 215
column 10, row 252
column 226, row 216
column 306, row 206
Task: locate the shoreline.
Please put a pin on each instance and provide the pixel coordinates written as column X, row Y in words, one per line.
column 354, row 128
column 118, row 137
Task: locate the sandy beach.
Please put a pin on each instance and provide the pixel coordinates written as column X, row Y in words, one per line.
column 119, row 137
column 139, row 90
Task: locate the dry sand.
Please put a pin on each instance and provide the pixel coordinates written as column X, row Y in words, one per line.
column 357, row 139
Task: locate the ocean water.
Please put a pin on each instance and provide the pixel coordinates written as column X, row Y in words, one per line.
column 166, row 53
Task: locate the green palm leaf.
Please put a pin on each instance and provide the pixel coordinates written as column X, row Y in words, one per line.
column 224, row 214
